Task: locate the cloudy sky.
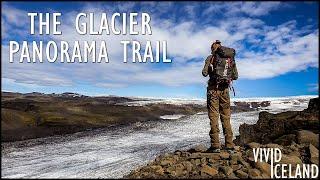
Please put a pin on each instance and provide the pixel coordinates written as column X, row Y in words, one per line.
column 276, row 44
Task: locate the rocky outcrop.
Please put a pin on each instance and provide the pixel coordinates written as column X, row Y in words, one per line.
column 307, row 137
column 284, row 128
column 242, row 106
column 247, row 106
column 314, row 154
column 294, row 133
column 313, row 105
column 196, row 163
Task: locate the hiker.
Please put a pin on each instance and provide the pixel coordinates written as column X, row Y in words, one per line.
column 222, row 70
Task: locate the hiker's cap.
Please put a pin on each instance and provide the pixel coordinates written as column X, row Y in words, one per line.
column 218, row 42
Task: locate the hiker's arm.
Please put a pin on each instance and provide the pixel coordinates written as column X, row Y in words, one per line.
column 205, row 70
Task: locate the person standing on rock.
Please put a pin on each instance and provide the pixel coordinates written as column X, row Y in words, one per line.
column 222, row 70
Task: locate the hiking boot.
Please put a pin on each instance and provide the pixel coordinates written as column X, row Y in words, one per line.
column 213, row 150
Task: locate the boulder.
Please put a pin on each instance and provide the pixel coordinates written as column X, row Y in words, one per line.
column 263, row 167
column 166, row 163
column 294, row 147
column 176, row 170
column 241, row 174
column 209, row 170
column 157, row 169
column 290, row 159
column 254, row 173
column 179, row 169
column 224, row 155
column 226, row 170
column 185, row 154
column 232, row 176
column 314, row 154
column 295, row 153
column 306, row 137
column 196, row 162
column 313, row 105
column 234, row 158
column 199, row 148
column 199, row 155
column 272, row 145
column 187, row 165
column 271, row 127
column 244, row 163
column 265, row 176
column 236, row 167
column 178, row 153
column 203, row 160
column 237, row 148
column 171, row 170
column 286, row 140
column 253, row 145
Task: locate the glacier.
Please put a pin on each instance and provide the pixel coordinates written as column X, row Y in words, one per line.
column 113, row 152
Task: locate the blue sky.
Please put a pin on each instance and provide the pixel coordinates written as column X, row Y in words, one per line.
column 276, row 43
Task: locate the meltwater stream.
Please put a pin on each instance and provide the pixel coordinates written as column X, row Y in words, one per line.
column 108, row 153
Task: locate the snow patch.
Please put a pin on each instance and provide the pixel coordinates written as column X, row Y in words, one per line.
column 171, row 117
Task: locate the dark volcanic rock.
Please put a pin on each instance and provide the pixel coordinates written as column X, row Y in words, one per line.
column 202, row 165
column 313, row 105
column 307, row 137
column 286, row 140
column 248, row 106
column 270, row 127
column 313, row 154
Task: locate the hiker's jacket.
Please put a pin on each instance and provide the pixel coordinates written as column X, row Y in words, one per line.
column 205, row 70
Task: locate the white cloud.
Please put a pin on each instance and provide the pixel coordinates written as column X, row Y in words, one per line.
column 257, row 8
column 282, row 49
column 238, row 8
column 313, row 87
column 14, row 16
column 294, row 54
column 42, row 74
column 111, row 85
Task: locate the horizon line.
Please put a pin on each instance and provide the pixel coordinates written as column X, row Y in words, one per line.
column 177, row 98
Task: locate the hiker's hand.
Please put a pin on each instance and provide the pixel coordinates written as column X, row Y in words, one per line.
column 215, row 47
column 211, row 60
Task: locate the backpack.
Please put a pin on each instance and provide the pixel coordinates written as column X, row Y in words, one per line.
column 224, row 65
column 226, row 52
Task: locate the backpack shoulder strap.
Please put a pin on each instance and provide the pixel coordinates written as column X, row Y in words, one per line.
column 212, row 59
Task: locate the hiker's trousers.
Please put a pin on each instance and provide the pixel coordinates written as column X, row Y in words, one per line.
column 218, row 104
